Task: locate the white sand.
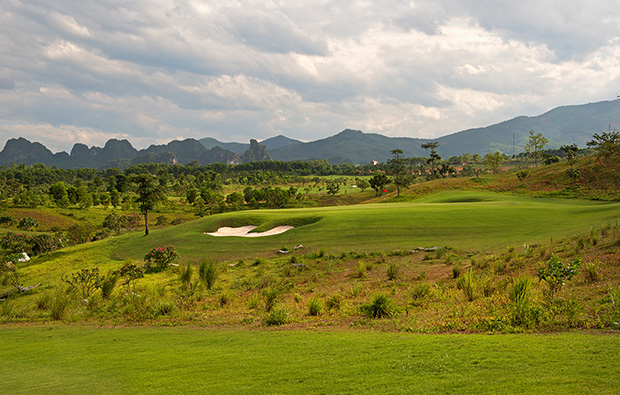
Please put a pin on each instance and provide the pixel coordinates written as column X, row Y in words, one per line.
column 244, row 231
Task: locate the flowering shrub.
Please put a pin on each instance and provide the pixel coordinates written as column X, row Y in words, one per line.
column 85, row 282
column 160, row 257
column 129, row 273
column 14, row 241
column 130, row 222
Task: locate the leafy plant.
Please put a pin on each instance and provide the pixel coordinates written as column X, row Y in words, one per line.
column 333, row 302
column 556, row 273
column 278, row 316
column 27, row 223
column 85, row 282
column 129, row 273
column 160, row 257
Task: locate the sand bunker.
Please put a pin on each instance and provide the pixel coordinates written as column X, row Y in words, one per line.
column 244, row 231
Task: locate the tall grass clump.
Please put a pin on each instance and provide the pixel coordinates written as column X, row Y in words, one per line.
column 361, row 268
column 208, row 273
column 185, row 274
column 380, row 307
column 277, row 316
column 392, row 271
column 271, row 296
column 421, row 290
column 467, row 284
column 60, row 303
column 591, row 272
column 520, row 295
column 315, row 306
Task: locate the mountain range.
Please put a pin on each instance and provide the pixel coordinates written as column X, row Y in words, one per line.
column 562, row 125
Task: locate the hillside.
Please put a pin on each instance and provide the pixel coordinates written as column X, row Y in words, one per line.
column 562, row 125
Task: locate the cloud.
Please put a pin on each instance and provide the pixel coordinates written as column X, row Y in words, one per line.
column 157, row 70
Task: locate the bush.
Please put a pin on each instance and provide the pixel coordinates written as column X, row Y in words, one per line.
column 380, row 307
column 185, row 274
column 278, row 316
column 421, row 290
column 129, row 274
column 271, row 296
column 108, row 284
column 392, row 271
column 456, row 271
column 467, row 285
column 85, row 282
column 315, row 306
column 27, row 223
column 208, row 273
column 160, row 257
column 556, row 273
column 591, row 272
column 333, row 302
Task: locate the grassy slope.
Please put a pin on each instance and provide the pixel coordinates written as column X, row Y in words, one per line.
column 472, row 221
column 56, row 359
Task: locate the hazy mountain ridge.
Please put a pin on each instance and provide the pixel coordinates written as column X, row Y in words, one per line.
column 562, row 125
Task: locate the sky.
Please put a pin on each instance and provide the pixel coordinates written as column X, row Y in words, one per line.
column 154, row 71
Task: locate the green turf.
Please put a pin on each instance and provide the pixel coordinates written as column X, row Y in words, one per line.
column 472, row 221
column 60, row 359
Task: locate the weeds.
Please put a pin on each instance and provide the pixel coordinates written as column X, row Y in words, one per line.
column 392, row 271
column 380, row 307
column 207, row 273
column 315, row 306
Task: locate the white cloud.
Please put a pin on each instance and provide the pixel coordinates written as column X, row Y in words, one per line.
column 157, row 70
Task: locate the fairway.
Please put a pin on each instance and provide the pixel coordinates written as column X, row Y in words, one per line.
column 471, row 221
column 61, row 360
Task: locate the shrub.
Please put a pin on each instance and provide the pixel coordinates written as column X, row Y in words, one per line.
column 85, row 282
column 161, row 220
column 108, row 284
column 160, row 257
column 185, row 274
column 467, row 285
column 59, row 305
column 556, row 273
column 271, row 296
column 7, row 220
column 456, row 271
column 164, row 307
column 360, row 270
column 333, row 302
column 380, row 307
column 279, row 316
column 208, row 273
column 356, row 289
column 129, row 273
column 591, row 272
column 392, row 271
column 27, row 223
column 315, row 306
column 254, row 302
column 421, row 290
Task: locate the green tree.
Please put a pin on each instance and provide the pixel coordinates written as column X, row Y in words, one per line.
column 378, row 183
column 434, row 157
column 332, row 188
column 607, row 145
column 494, row 161
column 397, row 166
column 535, row 145
column 149, row 194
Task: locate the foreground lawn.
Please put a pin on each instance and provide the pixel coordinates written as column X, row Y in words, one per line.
column 60, row 359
